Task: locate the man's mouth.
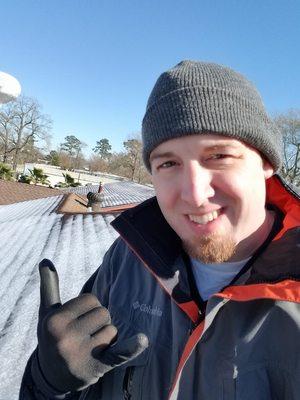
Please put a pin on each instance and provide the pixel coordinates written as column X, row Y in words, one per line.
column 204, row 218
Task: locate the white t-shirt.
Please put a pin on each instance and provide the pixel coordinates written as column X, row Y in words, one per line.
column 211, row 278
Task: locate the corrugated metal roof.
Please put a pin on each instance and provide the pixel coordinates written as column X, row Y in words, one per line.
column 117, row 193
column 29, row 232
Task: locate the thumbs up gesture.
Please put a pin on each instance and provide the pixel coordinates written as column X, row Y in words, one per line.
column 76, row 341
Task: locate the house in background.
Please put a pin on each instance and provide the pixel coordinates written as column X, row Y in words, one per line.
column 36, row 223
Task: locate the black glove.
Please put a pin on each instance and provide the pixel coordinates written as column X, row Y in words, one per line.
column 76, row 340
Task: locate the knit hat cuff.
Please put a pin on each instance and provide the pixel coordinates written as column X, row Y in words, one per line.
column 200, row 109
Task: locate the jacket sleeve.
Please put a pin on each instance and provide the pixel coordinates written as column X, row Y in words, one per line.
column 34, row 386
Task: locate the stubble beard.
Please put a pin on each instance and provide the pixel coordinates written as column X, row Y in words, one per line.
column 212, row 248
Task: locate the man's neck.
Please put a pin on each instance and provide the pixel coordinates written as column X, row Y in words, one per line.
column 246, row 248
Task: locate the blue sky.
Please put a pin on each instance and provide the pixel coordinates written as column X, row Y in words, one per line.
column 92, row 64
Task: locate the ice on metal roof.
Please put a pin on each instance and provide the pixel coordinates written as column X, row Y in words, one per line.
column 117, row 193
column 29, row 232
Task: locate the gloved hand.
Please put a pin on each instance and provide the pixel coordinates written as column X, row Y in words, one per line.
column 76, row 340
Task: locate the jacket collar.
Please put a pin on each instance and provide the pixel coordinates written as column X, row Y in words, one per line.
column 149, row 236
column 146, row 231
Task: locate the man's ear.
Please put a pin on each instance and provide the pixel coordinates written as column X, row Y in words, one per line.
column 268, row 169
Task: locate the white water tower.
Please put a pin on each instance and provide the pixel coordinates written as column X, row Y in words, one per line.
column 10, row 88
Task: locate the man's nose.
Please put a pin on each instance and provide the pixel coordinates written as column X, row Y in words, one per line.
column 196, row 185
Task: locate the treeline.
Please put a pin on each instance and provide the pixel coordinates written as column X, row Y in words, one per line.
column 127, row 163
column 25, row 133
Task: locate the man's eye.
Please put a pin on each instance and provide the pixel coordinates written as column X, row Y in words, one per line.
column 166, row 164
column 219, row 156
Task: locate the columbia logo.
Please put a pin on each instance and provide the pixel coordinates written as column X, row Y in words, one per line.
column 156, row 311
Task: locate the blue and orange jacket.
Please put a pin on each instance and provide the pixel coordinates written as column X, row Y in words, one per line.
column 243, row 344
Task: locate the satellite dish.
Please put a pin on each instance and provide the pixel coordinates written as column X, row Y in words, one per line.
column 10, row 88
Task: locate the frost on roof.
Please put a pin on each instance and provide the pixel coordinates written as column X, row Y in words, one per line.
column 29, row 232
column 118, row 193
column 30, row 208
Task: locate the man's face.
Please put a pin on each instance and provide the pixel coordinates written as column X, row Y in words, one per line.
column 211, row 191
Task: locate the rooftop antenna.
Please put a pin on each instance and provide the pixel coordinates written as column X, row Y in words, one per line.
column 10, row 88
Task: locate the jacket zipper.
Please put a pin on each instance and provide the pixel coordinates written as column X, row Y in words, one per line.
column 127, row 383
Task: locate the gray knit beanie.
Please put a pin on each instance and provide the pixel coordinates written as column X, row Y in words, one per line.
column 198, row 97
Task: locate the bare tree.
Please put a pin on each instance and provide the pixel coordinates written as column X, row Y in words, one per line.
column 6, row 118
column 289, row 125
column 133, row 149
column 64, row 160
column 129, row 162
column 118, row 165
column 97, row 164
column 21, row 125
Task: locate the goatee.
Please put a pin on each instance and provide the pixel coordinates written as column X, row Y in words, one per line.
column 209, row 249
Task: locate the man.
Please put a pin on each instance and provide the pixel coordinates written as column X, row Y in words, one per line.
column 199, row 297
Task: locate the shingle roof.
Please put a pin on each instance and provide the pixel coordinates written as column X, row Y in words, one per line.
column 14, row 192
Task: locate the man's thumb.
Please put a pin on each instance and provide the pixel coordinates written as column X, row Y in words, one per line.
column 49, row 286
column 124, row 351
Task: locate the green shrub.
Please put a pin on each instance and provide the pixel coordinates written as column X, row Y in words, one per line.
column 6, row 172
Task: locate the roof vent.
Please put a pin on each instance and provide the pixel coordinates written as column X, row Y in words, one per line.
column 95, row 201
